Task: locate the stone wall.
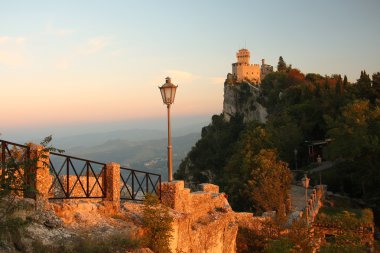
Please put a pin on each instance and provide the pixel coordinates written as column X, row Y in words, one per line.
column 203, row 221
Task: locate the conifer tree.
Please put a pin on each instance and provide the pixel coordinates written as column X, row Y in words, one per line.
column 281, row 66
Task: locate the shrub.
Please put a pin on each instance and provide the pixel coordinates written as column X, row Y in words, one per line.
column 158, row 224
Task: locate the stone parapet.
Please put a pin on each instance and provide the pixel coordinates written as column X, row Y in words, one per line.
column 175, row 196
column 209, row 188
column 203, row 221
column 41, row 179
column 113, row 183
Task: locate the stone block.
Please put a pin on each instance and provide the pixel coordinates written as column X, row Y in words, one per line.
column 40, row 173
column 209, row 188
column 174, row 195
column 113, row 182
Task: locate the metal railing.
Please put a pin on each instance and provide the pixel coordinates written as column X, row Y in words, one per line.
column 73, row 177
column 136, row 184
column 76, row 177
column 14, row 161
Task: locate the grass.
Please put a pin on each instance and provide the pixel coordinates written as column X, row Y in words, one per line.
column 115, row 242
column 345, row 217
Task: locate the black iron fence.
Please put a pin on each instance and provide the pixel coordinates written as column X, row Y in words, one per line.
column 15, row 159
column 75, row 177
column 72, row 177
column 136, row 184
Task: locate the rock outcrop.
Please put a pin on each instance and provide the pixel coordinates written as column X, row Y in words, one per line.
column 203, row 221
column 241, row 99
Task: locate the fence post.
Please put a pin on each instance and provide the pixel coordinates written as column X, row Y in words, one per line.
column 113, row 183
column 41, row 179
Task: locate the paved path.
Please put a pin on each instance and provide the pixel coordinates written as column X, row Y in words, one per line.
column 325, row 165
column 298, row 197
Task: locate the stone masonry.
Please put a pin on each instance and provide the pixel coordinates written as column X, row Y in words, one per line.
column 203, row 221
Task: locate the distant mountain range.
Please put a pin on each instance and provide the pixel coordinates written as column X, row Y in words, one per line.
column 142, row 149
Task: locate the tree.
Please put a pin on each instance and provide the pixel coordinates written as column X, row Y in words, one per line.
column 269, row 184
column 284, row 134
column 239, row 167
column 356, row 138
column 376, row 84
column 211, row 153
column 345, row 82
column 363, row 88
column 281, row 66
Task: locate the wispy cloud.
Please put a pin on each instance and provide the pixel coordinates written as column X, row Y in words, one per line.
column 11, row 50
column 11, row 58
column 217, row 80
column 63, row 63
column 118, row 53
column 58, row 31
column 180, row 75
column 95, row 45
column 12, row 40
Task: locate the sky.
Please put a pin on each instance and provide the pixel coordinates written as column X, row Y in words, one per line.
column 89, row 65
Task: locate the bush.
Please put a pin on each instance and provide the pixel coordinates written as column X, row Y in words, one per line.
column 283, row 245
column 115, row 242
column 158, row 224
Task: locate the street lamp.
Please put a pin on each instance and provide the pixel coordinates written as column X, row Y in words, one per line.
column 295, row 157
column 168, row 94
column 305, row 183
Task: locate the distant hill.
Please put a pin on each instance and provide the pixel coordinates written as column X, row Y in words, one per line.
column 149, row 155
column 92, row 139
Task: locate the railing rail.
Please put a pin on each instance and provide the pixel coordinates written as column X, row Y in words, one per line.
column 73, row 177
column 136, row 184
column 76, row 177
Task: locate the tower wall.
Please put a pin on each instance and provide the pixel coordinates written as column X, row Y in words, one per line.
column 242, row 69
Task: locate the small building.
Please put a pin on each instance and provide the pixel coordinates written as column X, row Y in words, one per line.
column 244, row 70
column 265, row 69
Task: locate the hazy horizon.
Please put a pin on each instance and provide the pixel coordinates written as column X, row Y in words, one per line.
column 179, row 124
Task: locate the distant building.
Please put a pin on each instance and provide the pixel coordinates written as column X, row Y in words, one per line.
column 265, row 69
column 244, row 70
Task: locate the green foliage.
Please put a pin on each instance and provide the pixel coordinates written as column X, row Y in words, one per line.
column 158, row 224
column 13, row 183
column 283, row 245
column 207, row 158
column 248, row 240
column 239, row 167
column 281, row 66
column 345, row 218
column 269, row 183
column 301, row 108
column 347, row 242
column 115, row 242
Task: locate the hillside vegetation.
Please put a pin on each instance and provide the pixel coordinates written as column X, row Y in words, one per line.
column 301, row 107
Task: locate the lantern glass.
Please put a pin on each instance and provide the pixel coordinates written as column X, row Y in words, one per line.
column 168, row 91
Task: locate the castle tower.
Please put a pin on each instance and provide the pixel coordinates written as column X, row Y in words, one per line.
column 243, row 70
column 243, row 56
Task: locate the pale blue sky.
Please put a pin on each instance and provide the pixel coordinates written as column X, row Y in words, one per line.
column 72, row 62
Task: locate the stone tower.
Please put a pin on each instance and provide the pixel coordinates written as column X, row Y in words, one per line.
column 243, row 70
column 265, row 69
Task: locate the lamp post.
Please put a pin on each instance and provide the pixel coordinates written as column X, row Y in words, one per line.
column 305, row 183
column 295, row 157
column 168, row 94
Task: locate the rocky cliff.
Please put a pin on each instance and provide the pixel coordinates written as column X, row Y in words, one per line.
column 241, row 99
column 203, row 222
